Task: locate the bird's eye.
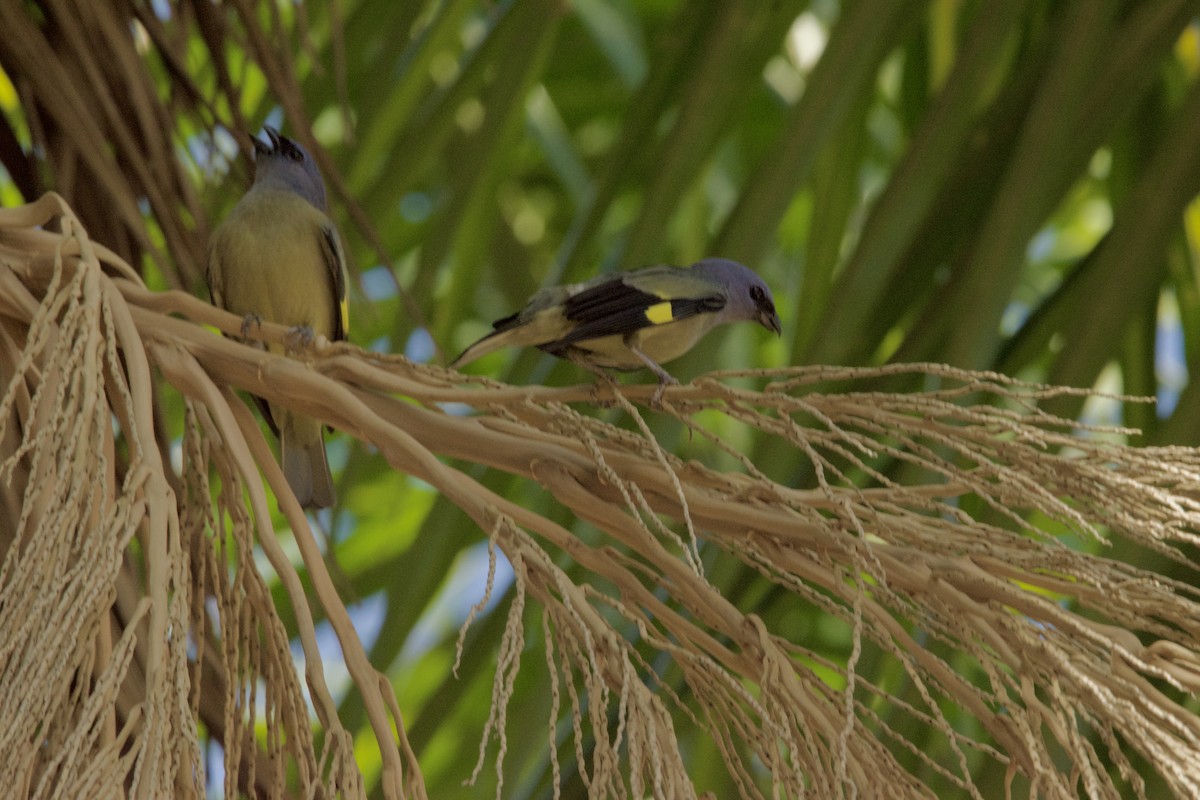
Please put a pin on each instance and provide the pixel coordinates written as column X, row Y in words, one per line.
column 757, row 294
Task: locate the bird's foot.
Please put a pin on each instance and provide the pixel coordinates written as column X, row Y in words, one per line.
column 603, row 379
column 664, row 380
column 299, row 337
column 598, row 394
column 251, row 321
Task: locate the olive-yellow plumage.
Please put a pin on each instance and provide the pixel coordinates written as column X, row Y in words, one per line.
column 278, row 257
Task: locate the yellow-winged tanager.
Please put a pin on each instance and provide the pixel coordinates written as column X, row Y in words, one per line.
column 634, row 319
column 278, row 257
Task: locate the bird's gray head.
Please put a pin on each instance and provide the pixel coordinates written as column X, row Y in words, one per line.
column 749, row 298
column 281, row 163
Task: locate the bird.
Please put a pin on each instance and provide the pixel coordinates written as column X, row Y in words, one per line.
column 635, row 319
column 277, row 256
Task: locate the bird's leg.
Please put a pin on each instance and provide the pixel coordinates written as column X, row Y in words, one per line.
column 665, row 378
column 580, row 358
column 299, row 337
column 249, row 322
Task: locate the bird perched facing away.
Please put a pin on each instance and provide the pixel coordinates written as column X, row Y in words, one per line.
column 277, row 257
column 634, row 319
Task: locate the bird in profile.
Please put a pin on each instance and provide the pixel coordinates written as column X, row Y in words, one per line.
column 630, row 320
column 278, row 257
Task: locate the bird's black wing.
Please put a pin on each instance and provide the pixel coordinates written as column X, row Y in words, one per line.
column 335, row 260
column 616, row 308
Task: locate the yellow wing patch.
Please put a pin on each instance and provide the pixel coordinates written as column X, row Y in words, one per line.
column 660, row 313
column 344, row 307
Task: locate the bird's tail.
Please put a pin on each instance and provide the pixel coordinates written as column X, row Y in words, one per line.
column 519, row 330
column 488, row 344
column 302, row 451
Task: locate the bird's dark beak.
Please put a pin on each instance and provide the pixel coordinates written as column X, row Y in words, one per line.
column 262, row 148
column 770, row 321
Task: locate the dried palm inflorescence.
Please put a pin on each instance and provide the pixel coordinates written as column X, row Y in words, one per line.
column 127, row 623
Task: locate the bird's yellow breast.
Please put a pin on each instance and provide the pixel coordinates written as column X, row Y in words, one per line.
column 270, row 260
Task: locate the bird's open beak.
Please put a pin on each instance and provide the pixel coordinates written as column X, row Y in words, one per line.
column 770, row 321
column 270, row 146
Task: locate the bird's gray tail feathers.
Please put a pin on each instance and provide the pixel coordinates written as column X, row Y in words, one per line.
column 488, row 344
column 307, row 472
